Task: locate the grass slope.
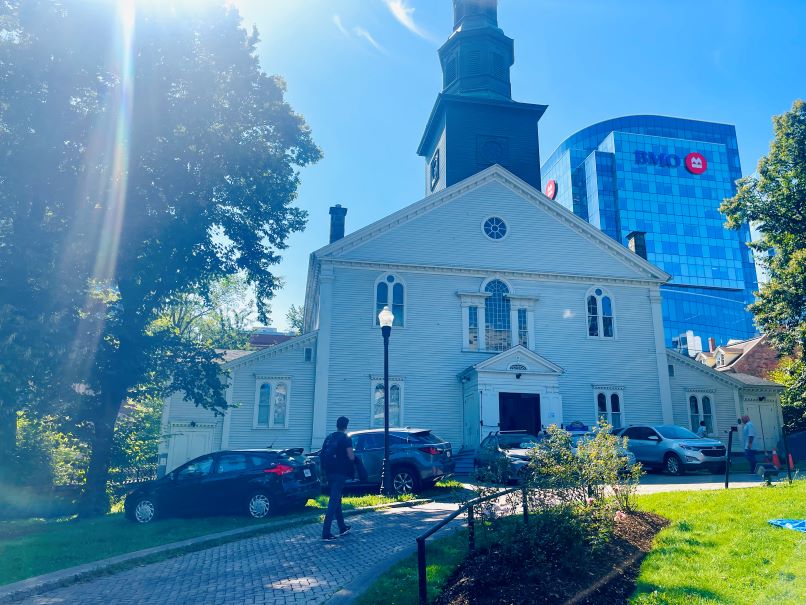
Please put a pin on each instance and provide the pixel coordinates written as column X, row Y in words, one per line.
column 719, row 548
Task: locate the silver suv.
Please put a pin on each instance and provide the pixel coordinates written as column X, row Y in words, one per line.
column 674, row 449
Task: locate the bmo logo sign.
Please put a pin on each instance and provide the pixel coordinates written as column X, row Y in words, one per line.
column 551, row 189
column 695, row 162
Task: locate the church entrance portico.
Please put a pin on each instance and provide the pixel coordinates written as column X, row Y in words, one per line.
column 514, row 390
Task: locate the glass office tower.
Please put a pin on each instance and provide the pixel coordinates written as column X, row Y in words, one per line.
column 661, row 180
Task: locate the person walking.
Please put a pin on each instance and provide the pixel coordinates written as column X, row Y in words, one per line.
column 701, row 430
column 749, row 435
column 338, row 463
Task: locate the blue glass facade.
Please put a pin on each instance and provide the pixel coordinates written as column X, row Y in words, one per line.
column 666, row 177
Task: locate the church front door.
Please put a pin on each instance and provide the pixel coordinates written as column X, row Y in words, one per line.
column 519, row 412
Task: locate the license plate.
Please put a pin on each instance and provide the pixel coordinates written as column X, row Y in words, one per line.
column 306, row 472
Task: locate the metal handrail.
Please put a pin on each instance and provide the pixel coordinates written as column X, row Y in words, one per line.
column 471, row 531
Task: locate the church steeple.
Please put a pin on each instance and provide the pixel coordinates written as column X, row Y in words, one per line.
column 477, row 56
column 475, row 123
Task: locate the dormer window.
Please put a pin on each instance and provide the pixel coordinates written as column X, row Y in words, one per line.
column 720, row 360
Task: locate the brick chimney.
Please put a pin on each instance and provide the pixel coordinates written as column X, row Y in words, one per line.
column 711, row 345
column 337, row 214
column 636, row 241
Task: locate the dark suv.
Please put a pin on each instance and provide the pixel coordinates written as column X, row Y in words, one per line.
column 416, row 457
column 251, row 482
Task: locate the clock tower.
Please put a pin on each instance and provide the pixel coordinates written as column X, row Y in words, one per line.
column 475, row 123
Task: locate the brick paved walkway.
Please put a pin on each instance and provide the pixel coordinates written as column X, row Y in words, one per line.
column 285, row 567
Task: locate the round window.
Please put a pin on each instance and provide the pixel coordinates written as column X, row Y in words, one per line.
column 495, row 228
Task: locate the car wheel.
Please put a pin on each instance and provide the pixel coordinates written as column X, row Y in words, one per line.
column 672, row 465
column 259, row 506
column 144, row 511
column 404, row 481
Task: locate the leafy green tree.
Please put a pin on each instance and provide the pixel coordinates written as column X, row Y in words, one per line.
column 221, row 320
column 792, row 374
column 167, row 160
column 775, row 199
column 295, row 318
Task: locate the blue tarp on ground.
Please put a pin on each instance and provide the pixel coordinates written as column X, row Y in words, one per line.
column 796, row 524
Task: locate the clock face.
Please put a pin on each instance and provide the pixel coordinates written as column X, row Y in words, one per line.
column 434, row 170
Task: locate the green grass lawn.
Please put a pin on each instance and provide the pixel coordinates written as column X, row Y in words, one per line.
column 719, row 548
column 36, row 546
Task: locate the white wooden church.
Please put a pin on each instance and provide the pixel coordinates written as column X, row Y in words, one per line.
column 510, row 311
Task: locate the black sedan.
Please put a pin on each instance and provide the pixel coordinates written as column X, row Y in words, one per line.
column 251, row 482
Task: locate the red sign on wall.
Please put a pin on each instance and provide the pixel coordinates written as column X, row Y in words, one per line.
column 551, row 189
column 696, row 163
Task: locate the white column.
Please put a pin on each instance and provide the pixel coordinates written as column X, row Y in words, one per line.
column 530, row 326
column 320, row 391
column 513, row 324
column 482, row 319
column 660, row 356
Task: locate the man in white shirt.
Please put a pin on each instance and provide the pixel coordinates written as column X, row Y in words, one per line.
column 749, row 435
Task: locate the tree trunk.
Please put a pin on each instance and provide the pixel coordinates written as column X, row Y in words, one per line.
column 95, row 500
column 8, row 444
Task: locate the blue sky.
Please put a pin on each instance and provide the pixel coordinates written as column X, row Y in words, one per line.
column 365, row 75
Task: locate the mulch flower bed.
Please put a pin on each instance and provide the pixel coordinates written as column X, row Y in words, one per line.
column 606, row 578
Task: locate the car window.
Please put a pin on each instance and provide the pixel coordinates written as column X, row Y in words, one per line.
column 676, row 432
column 517, row 441
column 359, row 442
column 197, row 468
column 636, row 432
column 368, row 441
column 425, row 437
column 230, row 463
column 396, row 440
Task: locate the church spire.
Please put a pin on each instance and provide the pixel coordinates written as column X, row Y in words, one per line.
column 477, row 56
column 475, row 123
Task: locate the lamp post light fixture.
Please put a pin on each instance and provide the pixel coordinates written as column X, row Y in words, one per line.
column 386, row 318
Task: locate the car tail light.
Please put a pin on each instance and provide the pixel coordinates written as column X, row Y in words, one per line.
column 430, row 450
column 280, row 469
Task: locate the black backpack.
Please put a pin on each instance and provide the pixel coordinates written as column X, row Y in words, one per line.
column 329, row 454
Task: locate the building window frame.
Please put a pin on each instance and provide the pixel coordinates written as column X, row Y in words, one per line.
column 608, row 404
column 521, row 318
column 391, row 289
column 396, row 397
column 278, row 391
column 598, row 300
column 702, row 399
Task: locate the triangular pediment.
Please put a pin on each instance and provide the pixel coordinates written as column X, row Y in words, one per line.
column 518, row 359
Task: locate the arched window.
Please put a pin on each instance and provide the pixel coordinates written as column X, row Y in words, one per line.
column 707, row 416
column 390, row 291
column 272, row 400
column 700, row 409
column 498, row 335
column 601, row 320
column 264, row 402
column 395, row 400
column 694, row 412
column 609, row 407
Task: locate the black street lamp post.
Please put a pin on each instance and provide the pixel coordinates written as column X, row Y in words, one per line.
column 386, row 319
